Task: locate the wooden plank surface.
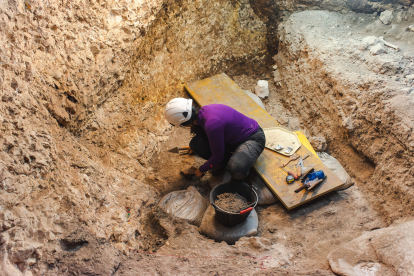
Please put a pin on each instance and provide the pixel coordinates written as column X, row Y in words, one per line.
column 221, row 89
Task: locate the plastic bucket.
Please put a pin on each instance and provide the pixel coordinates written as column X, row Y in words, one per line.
column 228, row 218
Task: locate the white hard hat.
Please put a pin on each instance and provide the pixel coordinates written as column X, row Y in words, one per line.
column 178, row 111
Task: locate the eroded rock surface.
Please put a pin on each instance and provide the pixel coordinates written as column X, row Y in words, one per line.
column 386, row 251
column 353, row 96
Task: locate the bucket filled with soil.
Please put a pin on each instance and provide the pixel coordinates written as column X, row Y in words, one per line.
column 233, row 201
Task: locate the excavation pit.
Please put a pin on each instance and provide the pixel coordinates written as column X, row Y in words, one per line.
column 83, row 89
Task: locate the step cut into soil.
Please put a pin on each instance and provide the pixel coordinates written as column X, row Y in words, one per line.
column 231, row 202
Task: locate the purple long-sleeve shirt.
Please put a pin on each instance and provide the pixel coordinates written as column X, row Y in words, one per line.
column 223, row 125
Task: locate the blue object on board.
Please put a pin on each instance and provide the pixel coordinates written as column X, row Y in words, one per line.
column 314, row 175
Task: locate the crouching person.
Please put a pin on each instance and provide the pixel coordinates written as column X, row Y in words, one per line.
column 224, row 137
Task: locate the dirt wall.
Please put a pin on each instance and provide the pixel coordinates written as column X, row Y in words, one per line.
column 355, row 96
column 74, row 143
column 188, row 40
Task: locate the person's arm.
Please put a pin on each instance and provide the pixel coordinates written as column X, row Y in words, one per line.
column 215, row 134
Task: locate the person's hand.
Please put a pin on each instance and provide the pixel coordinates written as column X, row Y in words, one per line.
column 185, row 150
column 199, row 174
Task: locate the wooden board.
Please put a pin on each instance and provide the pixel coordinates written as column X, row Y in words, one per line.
column 221, row 89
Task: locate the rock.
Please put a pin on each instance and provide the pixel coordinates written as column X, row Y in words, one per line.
column 410, row 77
column 56, row 73
column 386, row 17
column 7, row 217
column 411, row 28
column 121, row 247
column 31, row 261
column 370, row 40
column 399, row 18
column 93, row 126
column 4, row 237
column 14, row 83
column 28, row 273
column 405, row 2
column 126, row 235
column 276, row 76
column 348, row 124
column 257, row 244
column 262, row 89
column 318, row 143
column 211, row 228
column 387, row 251
column 377, row 49
column 61, row 116
column 6, row 267
column 283, row 120
column 333, row 164
column 23, row 252
column 70, row 107
column 363, row 46
column 255, row 98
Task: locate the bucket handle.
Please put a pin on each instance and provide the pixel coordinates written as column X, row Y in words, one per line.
column 214, row 206
column 245, row 210
column 241, row 212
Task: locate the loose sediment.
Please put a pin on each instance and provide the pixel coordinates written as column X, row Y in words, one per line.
column 231, row 202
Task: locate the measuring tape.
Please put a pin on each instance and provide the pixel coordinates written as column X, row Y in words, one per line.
column 290, row 179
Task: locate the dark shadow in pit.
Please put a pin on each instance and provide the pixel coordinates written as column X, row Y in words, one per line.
column 72, row 245
column 153, row 235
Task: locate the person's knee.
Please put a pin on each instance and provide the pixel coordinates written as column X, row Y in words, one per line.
column 239, row 167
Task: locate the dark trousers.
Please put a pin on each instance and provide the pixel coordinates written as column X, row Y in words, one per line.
column 238, row 159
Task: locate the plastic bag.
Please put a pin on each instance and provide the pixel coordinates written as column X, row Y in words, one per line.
column 217, row 231
column 337, row 169
column 187, row 204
